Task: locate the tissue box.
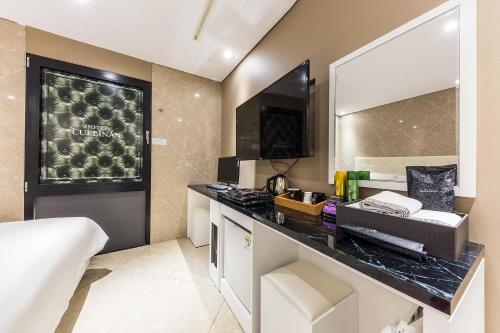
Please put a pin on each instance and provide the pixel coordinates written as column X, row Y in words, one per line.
column 440, row 240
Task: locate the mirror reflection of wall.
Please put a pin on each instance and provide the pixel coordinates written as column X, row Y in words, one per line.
column 397, row 104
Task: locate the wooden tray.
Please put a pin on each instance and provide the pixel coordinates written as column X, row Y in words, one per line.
column 285, row 201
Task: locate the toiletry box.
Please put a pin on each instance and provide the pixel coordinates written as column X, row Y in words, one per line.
column 439, row 240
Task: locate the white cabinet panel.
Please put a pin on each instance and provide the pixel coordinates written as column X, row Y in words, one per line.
column 238, row 261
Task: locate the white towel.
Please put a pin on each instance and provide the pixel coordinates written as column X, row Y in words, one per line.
column 449, row 219
column 391, row 203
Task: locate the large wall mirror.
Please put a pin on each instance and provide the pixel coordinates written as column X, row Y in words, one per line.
column 408, row 98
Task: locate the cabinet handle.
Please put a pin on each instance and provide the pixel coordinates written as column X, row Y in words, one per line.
column 248, row 241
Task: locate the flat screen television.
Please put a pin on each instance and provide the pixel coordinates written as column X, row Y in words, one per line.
column 277, row 122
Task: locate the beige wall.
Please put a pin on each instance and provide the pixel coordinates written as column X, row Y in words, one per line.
column 321, row 31
column 484, row 213
column 191, row 126
column 419, row 126
column 324, row 31
column 12, row 77
column 53, row 46
column 193, row 144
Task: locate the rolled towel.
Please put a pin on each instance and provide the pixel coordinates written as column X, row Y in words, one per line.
column 391, row 203
column 432, row 216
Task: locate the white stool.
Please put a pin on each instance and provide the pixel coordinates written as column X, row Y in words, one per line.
column 301, row 298
column 199, row 232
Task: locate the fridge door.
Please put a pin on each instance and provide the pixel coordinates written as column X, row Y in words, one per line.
column 238, row 261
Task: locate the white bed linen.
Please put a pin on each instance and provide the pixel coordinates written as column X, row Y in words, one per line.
column 41, row 264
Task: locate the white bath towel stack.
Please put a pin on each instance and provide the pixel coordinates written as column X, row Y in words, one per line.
column 432, row 216
column 391, row 203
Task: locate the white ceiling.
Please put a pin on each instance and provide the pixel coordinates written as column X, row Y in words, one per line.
column 421, row 61
column 160, row 31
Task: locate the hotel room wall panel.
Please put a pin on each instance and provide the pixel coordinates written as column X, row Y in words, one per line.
column 126, row 225
column 191, row 126
column 324, row 31
column 12, row 87
column 193, row 144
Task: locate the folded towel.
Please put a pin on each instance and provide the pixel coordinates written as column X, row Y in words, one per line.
column 449, row 219
column 391, row 203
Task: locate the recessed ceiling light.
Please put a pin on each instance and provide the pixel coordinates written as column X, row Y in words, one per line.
column 197, row 95
column 401, row 121
column 11, row 97
column 415, row 126
column 179, row 120
column 228, row 54
column 450, row 26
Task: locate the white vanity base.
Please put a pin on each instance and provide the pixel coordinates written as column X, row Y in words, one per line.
column 379, row 304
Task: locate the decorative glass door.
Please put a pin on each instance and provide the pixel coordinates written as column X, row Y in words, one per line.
column 87, row 148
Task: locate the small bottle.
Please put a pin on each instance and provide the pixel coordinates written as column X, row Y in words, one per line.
column 364, row 175
column 352, row 186
column 340, row 183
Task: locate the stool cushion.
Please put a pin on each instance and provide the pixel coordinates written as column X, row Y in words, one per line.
column 309, row 288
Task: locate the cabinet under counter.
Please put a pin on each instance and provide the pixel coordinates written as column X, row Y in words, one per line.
column 451, row 293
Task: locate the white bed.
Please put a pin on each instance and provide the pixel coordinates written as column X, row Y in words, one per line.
column 41, row 264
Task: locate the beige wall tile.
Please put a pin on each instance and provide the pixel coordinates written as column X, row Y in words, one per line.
column 389, row 130
column 12, row 84
column 191, row 126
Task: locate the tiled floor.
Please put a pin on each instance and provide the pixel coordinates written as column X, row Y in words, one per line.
column 163, row 287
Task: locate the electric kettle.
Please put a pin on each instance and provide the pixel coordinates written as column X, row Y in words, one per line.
column 277, row 184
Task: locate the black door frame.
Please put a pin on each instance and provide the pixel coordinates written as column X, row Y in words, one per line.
column 32, row 187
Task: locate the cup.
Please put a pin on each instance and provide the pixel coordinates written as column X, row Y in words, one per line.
column 317, row 197
column 295, row 193
column 280, row 217
column 307, row 197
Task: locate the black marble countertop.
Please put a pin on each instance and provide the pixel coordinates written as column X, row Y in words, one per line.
column 436, row 282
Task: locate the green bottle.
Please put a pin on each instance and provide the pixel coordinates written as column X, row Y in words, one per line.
column 352, row 186
column 364, row 175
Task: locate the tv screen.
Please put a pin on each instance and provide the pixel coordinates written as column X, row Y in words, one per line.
column 274, row 123
column 228, row 170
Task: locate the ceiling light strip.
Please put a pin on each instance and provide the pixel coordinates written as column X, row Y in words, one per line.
column 203, row 19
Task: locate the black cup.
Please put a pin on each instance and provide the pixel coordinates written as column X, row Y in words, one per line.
column 295, row 193
column 317, row 197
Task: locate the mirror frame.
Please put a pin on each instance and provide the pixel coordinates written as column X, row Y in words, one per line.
column 467, row 98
